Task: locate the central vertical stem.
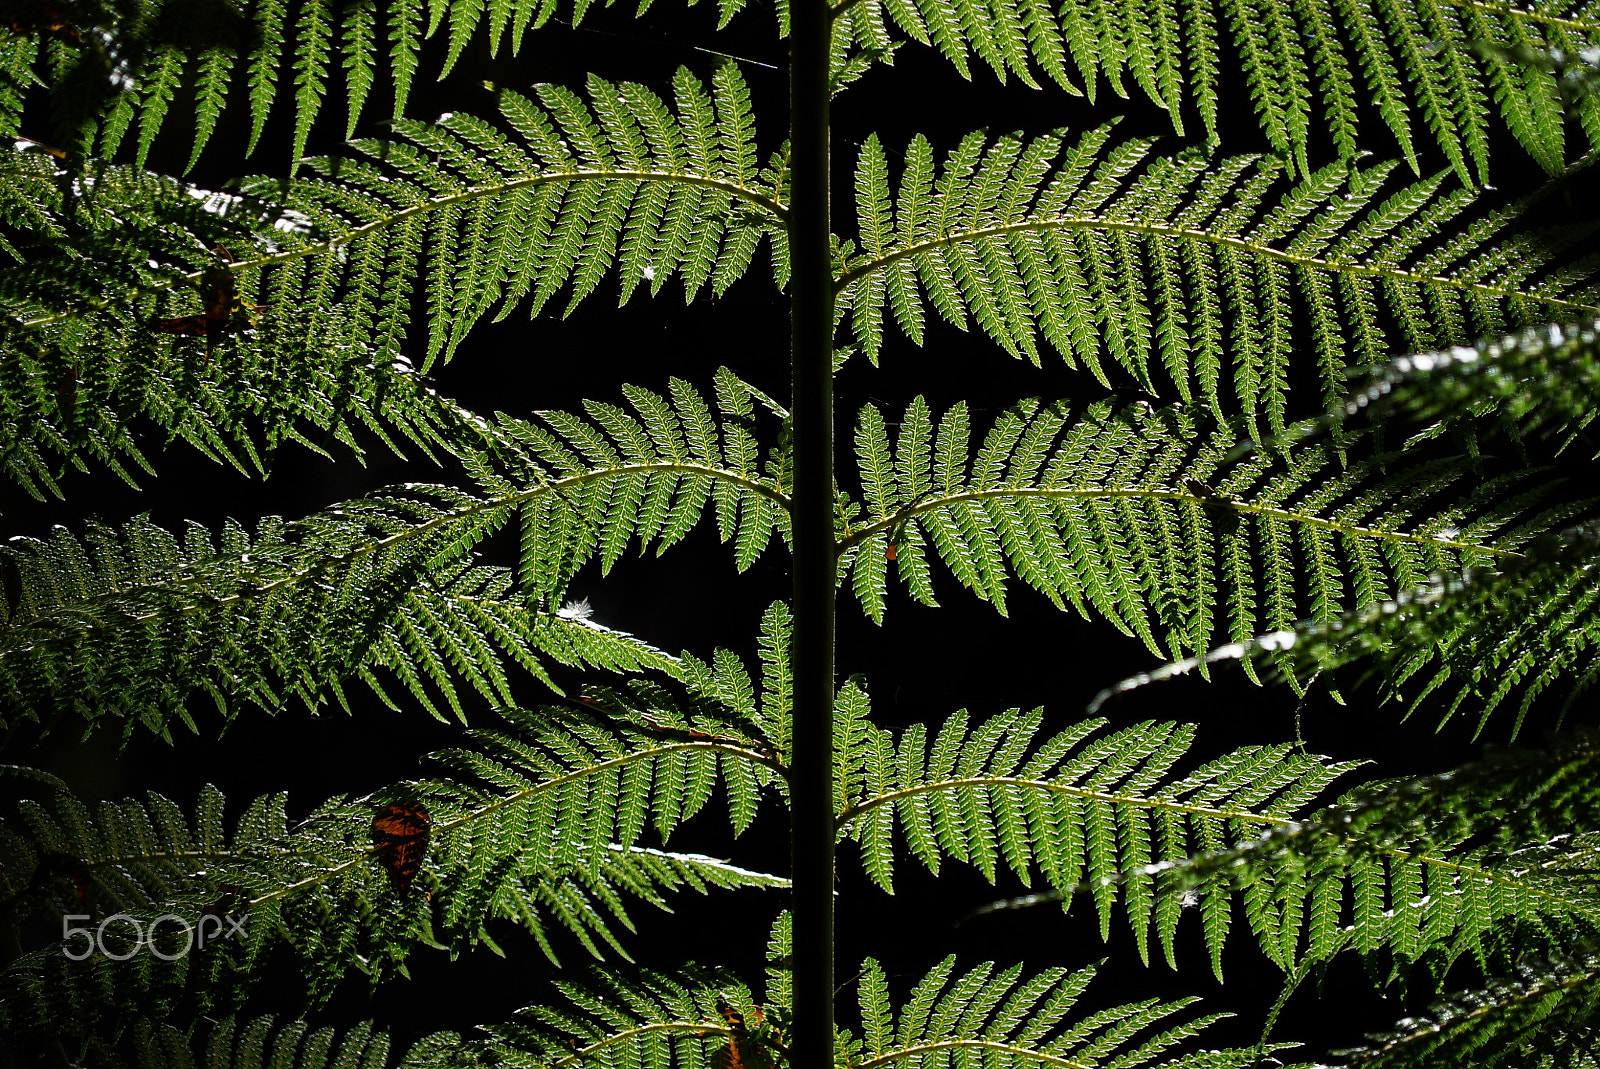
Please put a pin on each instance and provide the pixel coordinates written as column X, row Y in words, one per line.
column 811, row 310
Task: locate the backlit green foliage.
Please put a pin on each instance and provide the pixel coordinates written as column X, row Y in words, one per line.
column 1435, row 528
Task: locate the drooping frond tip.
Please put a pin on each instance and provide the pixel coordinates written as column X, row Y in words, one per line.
column 1476, row 639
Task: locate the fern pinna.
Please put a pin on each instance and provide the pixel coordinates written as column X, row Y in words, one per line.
column 1310, row 351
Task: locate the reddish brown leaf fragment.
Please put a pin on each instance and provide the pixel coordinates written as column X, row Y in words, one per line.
column 186, row 326
column 400, row 832
column 742, row 1050
column 41, row 18
column 226, row 312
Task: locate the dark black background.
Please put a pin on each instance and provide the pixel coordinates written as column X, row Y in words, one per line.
column 922, row 665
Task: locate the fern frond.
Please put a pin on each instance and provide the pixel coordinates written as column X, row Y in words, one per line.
column 1072, row 807
column 591, row 486
column 1575, row 74
column 1499, row 629
column 1443, row 67
column 539, row 828
column 31, row 193
column 102, row 394
column 112, row 255
column 50, row 996
column 1511, row 629
column 1195, row 264
column 1009, row 1021
column 725, row 701
column 656, row 1019
column 92, row 237
column 1544, row 381
column 18, row 55
column 1541, row 1017
column 128, row 624
column 493, row 222
column 160, row 47
column 262, row 1043
column 106, row 69
column 580, row 781
column 1489, row 861
column 1146, row 519
column 146, row 861
column 673, row 1021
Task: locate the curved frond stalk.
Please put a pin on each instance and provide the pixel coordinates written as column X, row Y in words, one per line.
column 492, row 221
column 576, row 782
column 1513, row 628
column 590, row 486
column 1540, row 1017
column 104, row 235
column 1144, row 518
column 1077, row 808
column 1435, row 72
column 1198, row 265
column 1011, row 1022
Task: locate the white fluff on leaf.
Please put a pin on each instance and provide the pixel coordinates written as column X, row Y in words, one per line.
column 579, row 611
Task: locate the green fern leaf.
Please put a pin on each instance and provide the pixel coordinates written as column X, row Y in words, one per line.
column 654, row 1019
column 129, row 624
column 1071, row 811
column 1479, row 630
column 1133, row 251
column 256, row 1044
column 515, row 835
column 1299, row 59
column 1142, row 518
column 1542, row 1016
column 1460, row 859
column 946, row 1023
column 505, row 222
